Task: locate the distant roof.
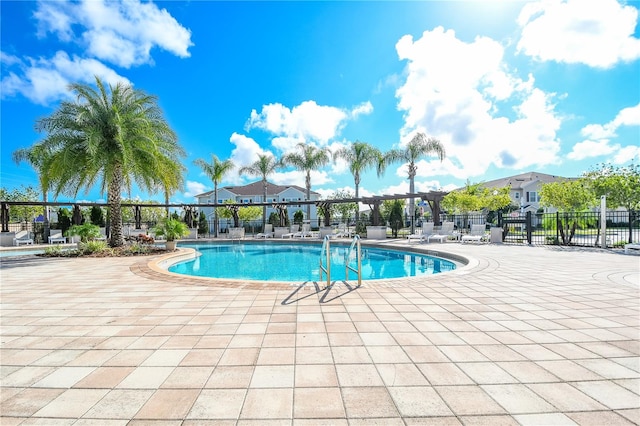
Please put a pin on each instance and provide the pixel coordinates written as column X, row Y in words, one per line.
column 256, row 188
column 522, row 180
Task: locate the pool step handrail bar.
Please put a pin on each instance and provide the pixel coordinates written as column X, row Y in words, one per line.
column 325, row 252
column 355, row 243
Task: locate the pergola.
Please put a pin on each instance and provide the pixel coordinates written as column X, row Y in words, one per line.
column 433, row 198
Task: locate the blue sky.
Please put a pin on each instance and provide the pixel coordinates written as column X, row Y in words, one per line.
column 507, row 87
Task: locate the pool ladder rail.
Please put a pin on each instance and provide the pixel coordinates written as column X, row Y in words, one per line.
column 325, row 253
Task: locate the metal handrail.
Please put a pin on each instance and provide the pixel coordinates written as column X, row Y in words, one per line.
column 325, row 250
column 354, row 243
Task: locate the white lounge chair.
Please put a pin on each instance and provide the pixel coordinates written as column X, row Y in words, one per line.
column 267, row 233
column 422, row 234
column 55, row 236
column 342, row 231
column 22, row 237
column 443, row 234
column 477, row 234
column 631, row 246
column 293, row 230
column 305, row 232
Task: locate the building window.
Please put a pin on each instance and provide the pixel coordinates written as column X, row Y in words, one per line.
column 532, row 197
column 517, row 195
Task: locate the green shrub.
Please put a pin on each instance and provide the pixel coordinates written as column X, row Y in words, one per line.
column 87, row 232
column 92, row 247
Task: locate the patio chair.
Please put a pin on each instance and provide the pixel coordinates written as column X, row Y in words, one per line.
column 342, row 231
column 305, row 232
column 22, row 237
column 267, row 233
column 293, row 230
column 476, row 234
column 631, row 246
column 56, row 237
column 422, row 234
column 443, row 234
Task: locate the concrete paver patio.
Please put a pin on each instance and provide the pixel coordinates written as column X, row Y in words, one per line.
column 523, row 335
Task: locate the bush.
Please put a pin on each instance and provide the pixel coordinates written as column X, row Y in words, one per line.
column 92, row 247
column 87, row 232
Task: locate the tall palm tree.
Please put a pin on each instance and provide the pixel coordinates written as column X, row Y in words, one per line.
column 360, row 156
column 38, row 158
column 419, row 146
column 264, row 166
column 216, row 170
column 111, row 137
column 170, row 179
column 308, row 158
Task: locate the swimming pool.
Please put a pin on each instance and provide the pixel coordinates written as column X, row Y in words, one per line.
column 274, row 261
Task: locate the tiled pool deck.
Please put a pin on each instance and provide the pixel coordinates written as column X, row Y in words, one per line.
column 524, row 335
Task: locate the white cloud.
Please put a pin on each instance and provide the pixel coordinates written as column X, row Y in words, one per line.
column 195, row 188
column 626, row 155
column 598, row 33
column 47, row 80
column 245, row 153
column 122, row 33
column 588, row 148
column 364, row 108
column 307, row 122
column 599, row 136
column 454, row 90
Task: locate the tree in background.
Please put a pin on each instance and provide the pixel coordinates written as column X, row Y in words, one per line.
column 474, row 198
column 216, row 171
column 343, row 210
column 64, row 220
column 308, row 158
column 112, row 137
column 567, row 196
column 621, row 186
column 360, row 156
column 203, row 225
column 418, row 147
column 262, row 168
column 38, row 157
column 396, row 219
column 96, row 216
column 24, row 193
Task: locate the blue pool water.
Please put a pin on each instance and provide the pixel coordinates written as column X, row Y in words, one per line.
column 300, row 262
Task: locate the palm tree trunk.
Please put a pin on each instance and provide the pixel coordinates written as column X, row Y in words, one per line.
column 215, row 210
column 308, row 185
column 113, row 199
column 264, row 208
column 412, row 174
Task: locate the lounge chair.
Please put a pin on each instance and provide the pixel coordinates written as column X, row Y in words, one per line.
column 305, row 232
column 631, row 246
column 293, row 230
column 22, row 237
column 477, row 234
column 342, row 231
column 422, row 234
column 267, row 233
column 56, row 237
column 443, row 234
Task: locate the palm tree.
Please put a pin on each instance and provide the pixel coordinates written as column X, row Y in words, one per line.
column 112, row 138
column 417, row 147
column 37, row 157
column 171, row 179
column 307, row 159
column 264, row 166
column 216, row 170
column 360, row 156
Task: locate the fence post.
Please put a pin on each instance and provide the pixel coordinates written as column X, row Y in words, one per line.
column 558, row 228
column 603, row 221
column 528, row 225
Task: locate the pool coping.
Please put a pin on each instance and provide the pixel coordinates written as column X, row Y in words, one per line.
column 157, row 268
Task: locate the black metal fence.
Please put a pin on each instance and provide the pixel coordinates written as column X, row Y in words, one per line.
column 572, row 228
